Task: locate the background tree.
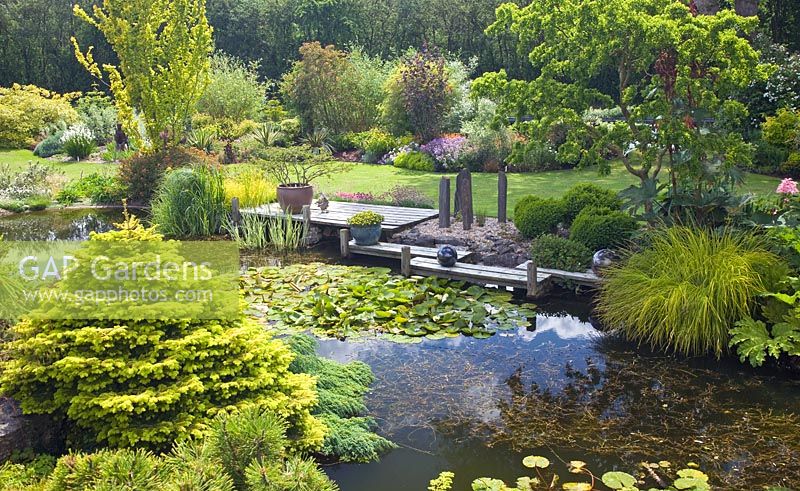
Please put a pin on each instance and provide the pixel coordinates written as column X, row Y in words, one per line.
column 675, row 73
column 163, row 49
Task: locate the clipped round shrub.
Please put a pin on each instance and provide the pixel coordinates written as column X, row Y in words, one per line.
column 602, row 228
column 536, row 216
column 149, row 383
column 552, row 251
column 688, row 288
column 415, row 161
column 585, row 195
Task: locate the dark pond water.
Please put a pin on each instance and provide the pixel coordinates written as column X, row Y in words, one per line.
column 560, row 389
column 73, row 224
column 565, row 391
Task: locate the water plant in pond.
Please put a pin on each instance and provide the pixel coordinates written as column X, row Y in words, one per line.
column 685, row 479
column 687, row 288
column 345, row 301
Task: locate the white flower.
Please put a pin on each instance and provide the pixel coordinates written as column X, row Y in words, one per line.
column 77, row 131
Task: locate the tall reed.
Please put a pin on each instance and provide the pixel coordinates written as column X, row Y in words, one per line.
column 190, row 202
column 281, row 233
column 688, row 288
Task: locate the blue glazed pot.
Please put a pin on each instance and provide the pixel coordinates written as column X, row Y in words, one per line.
column 366, row 236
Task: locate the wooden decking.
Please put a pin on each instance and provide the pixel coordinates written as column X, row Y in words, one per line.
column 395, row 218
column 584, row 279
column 394, row 251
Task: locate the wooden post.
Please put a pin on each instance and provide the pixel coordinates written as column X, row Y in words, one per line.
column 405, row 261
column 502, row 196
column 457, row 198
column 444, row 202
column 306, row 222
column 236, row 215
column 464, row 185
column 344, row 242
column 533, row 279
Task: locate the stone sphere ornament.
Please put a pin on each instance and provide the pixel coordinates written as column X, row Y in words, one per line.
column 447, row 256
column 602, row 259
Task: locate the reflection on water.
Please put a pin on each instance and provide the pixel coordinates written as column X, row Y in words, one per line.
column 58, row 224
column 476, row 407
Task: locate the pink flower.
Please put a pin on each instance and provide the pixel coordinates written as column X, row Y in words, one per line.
column 787, row 186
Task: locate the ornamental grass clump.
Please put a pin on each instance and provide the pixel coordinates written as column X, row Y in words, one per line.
column 688, row 288
column 365, row 219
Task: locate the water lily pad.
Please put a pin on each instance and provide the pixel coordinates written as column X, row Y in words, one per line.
column 533, row 461
column 618, row 480
column 576, row 486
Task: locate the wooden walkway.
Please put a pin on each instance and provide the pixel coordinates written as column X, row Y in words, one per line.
column 394, row 251
column 583, row 279
column 486, row 275
column 395, row 218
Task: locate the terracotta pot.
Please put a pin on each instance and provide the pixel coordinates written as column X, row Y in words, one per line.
column 292, row 197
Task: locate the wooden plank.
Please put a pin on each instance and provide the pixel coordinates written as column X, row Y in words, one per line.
column 392, row 250
column 496, row 276
column 589, row 279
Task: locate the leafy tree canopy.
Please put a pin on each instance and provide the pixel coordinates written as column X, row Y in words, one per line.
column 676, row 72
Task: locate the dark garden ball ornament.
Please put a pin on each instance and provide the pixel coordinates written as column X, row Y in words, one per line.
column 447, row 256
column 603, row 259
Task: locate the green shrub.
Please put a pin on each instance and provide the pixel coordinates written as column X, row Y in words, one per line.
column 587, row 195
column 37, row 203
column 78, row 142
column 415, row 161
column 14, row 206
column 97, row 112
column 783, row 129
column 250, row 435
column 768, row 158
column 107, row 469
column 536, row 216
column 792, row 165
column 234, row 91
column 688, row 288
column 375, row 143
column 27, row 110
column 69, row 194
column 50, row 146
column 332, row 89
column 100, row 189
column 601, row 228
column 142, row 173
column 293, row 474
column 149, row 383
column 341, row 389
column 190, row 202
column 552, row 251
column 534, row 157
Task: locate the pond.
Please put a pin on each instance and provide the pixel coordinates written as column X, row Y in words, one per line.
column 66, row 224
column 565, row 391
column 561, row 388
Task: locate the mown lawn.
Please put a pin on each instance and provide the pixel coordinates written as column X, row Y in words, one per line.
column 19, row 159
column 378, row 179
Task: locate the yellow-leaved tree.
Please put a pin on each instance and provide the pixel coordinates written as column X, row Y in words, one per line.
column 163, row 47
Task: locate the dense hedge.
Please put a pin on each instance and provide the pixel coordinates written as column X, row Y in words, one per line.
column 552, row 251
column 601, row 228
column 535, row 216
column 585, row 195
